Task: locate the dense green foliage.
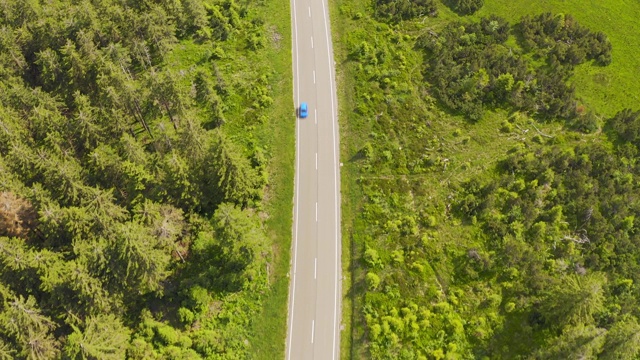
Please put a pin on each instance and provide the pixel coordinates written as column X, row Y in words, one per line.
column 511, row 236
column 559, row 237
column 465, row 7
column 564, row 40
column 130, row 215
column 398, row 10
column 471, row 66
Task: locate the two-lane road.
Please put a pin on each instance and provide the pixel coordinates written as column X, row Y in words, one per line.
column 314, row 294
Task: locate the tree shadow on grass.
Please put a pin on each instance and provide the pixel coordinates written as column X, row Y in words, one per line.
column 356, row 293
column 519, row 337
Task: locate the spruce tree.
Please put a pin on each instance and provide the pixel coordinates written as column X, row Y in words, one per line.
column 103, row 337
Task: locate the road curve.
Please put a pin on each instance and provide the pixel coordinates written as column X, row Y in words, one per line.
column 315, row 287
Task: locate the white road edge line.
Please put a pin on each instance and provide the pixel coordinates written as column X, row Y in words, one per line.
column 295, row 239
column 313, row 329
column 315, row 269
column 335, row 174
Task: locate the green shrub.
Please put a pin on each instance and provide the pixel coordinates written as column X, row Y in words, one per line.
column 140, row 350
column 367, row 151
column 372, row 280
column 397, row 256
column 387, row 155
column 168, row 335
column 509, row 307
column 506, row 126
column 397, row 10
column 466, row 7
column 177, row 353
column 198, row 299
column 587, row 123
column 208, row 343
column 186, row 316
column 372, row 259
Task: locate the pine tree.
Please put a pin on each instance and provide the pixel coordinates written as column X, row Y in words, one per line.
column 103, row 337
column 207, row 95
column 74, row 289
column 242, row 244
column 623, row 340
column 138, row 261
column 21, row 161
column 23, row 321
column 237, row 181
column 194, row 19
column 41, row 346
column 575, row 299
column 576, row 343
column 159, row 31
column 11, row 129
column 100, row 205
column 61, row 175
column 12, row 57
column 164, row 221
column 85, row 130
column 17, row 264
column 168, row 95
column 6, row 352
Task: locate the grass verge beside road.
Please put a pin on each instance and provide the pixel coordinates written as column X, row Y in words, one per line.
column 350, row 191
column 269, row 329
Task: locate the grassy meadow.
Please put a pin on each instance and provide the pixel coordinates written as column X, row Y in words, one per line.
column 399, row 222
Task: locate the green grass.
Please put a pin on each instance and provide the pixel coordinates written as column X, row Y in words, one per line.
column 269, row 328
column 351, row 195
column 350, row 191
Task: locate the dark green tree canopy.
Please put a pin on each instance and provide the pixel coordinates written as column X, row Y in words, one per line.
column 115, row 158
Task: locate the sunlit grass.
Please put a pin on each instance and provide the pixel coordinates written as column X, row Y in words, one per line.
column 277, row 135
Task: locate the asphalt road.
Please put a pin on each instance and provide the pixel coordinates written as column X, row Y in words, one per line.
column 314, row 293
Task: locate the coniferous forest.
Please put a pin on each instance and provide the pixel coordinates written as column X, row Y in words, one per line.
column 131, row 212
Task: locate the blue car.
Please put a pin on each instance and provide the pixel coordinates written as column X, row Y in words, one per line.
column 303, row 112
